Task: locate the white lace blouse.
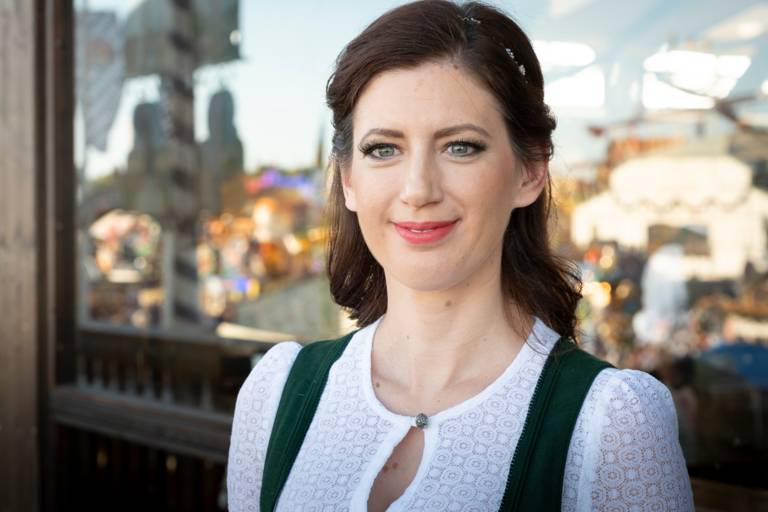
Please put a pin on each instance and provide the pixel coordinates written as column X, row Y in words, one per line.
column 624, row 453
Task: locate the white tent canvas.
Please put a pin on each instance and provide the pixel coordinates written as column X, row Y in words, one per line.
column 714, row 194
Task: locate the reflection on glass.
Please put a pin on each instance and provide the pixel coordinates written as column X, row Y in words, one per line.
column 202, row 187
column 178, row 234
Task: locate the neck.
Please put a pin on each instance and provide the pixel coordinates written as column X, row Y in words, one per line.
column 429, row 341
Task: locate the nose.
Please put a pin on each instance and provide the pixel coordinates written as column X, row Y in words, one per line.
column 421, row 184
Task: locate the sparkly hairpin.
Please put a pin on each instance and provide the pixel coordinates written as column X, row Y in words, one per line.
column 520, row 67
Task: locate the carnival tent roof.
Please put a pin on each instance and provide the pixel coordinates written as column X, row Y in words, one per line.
column 694, row 182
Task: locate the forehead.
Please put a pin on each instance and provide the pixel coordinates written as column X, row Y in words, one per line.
column 430, row 96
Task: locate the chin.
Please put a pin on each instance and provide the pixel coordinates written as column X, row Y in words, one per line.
column 432, row 278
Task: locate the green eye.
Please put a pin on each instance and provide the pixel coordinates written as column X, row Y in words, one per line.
column 464, row 148
column 383, row 152
column 379, row 151
column 460, row 149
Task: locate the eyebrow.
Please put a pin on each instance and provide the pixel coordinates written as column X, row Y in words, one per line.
column 452, row 130
column 443, row 132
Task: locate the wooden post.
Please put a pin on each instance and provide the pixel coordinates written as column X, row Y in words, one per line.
column 19, row 266
column 37, row 248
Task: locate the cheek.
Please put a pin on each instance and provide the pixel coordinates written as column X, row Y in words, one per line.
column 492, row 193
column 492, row 219
column 490, row 212
column 373, row 190
column 373, row 198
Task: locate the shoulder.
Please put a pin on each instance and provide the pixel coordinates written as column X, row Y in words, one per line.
column 277, row 359
column 282, row 354
column 272, row 369
column 630, row 407
column 269, row 372
column 254, row 415
column 258, row 396
column 625, row 446
column 615, row 393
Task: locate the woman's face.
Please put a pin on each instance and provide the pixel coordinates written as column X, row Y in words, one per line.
column 433, row 177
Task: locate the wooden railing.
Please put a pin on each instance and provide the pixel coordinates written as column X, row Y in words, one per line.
column 145, row 423
column 200, row 371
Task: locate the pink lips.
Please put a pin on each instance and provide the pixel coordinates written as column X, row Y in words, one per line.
column 424, row 232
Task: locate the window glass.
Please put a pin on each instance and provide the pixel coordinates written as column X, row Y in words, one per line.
column 201, row 157
column 201, row 149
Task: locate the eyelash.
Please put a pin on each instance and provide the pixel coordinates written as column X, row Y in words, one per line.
column 476, row 146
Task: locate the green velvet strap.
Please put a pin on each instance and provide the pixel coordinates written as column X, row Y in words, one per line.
column 535, row 479
column 297, row 407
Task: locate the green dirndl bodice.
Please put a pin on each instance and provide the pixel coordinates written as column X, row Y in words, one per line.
column 535, row 480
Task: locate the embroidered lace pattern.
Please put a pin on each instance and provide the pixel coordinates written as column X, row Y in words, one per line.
column 624, row 454
column 255, row 411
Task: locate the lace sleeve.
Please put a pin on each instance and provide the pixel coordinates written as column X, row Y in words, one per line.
column 252, row 424
column 625, row 453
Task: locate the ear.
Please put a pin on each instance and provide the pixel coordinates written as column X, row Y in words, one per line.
column 350, row 200
column 532, row 183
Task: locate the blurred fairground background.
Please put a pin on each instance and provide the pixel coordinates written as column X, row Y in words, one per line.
column 163, row 178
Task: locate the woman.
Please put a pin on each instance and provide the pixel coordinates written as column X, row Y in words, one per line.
column 444, row 399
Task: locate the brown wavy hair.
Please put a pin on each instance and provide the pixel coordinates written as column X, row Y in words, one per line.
column 491, row 46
